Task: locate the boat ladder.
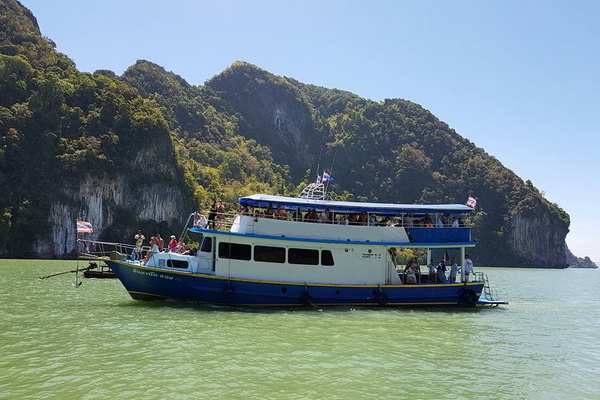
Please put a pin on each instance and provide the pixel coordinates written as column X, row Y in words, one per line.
column 488, row 292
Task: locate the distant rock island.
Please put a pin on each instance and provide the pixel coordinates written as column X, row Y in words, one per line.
column 584, row 262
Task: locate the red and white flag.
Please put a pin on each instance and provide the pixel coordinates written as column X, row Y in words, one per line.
column 84, row 227
column 472, row 202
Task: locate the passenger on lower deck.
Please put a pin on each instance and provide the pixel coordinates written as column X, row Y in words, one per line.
column 173, row 244
column 154, row 249
column 431, row 270
column 468, row 267
column 411, row 270
column 441, row 271
column 453, row 270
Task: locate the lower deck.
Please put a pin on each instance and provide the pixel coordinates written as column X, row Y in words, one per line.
column 150, row 283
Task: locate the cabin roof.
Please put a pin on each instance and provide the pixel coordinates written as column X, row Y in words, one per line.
column 292, row 203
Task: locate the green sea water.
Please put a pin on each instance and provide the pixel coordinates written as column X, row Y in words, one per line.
column 58, row 341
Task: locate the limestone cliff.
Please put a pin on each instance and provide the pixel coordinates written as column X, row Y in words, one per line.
column 537, row 239
column 100, row 201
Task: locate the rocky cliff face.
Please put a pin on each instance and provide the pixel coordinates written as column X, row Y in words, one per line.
column 100, row 200
column 539, row 239
column 272, row 111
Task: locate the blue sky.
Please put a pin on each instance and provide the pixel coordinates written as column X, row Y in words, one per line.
column 518, row 78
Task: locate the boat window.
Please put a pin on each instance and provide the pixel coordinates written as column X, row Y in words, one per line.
column 207, row 245
column 177, row 263
column 269, row 254
column 303, row 256
column 235, row 251
column 326, row 258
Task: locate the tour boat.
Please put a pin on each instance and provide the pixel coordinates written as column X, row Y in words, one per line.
column 308, row 251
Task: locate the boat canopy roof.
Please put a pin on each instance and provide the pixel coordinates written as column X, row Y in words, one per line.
column 345, row 207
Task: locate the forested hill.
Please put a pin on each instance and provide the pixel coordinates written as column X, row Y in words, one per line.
column 145, row 148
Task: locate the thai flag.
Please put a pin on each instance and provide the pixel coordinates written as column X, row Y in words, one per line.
column 84, row 227
column 327, row 177
column 472, row 202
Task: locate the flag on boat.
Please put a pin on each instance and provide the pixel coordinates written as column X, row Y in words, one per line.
column 471, row 201
column 327, row 177
column 84, row 227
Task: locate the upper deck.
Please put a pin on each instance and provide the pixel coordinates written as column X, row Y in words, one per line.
column 288, row 218
column 351, row 207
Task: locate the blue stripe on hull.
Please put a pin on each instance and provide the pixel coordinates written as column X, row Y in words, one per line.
column 152, row 283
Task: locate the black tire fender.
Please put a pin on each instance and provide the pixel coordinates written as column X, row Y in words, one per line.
column 469, row 296
column 306, row 299
column 382, row 298
column 228, row 291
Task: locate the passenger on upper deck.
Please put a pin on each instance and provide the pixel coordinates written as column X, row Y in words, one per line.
column 416, row 221
column 446, row 219
column 269, row 212
column 325, row 217
column 408, row 220
column 220, row 219
column 243, row 210
column 199, row 220
column 297, row 216
column 363, row 219
column 212, row 215
column 454, row 222
column 311, row 216
column 280, row 213
column 384, row 221
column 426, row 222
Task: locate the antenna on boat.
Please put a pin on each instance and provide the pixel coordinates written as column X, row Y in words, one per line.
column 330, row 171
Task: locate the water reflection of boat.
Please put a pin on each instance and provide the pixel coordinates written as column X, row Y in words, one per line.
column 315, row 252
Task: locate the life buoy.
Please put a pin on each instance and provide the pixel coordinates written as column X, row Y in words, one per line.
column 382, row 298
column 228, row 291
column 306, row 299
column 469, row 296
